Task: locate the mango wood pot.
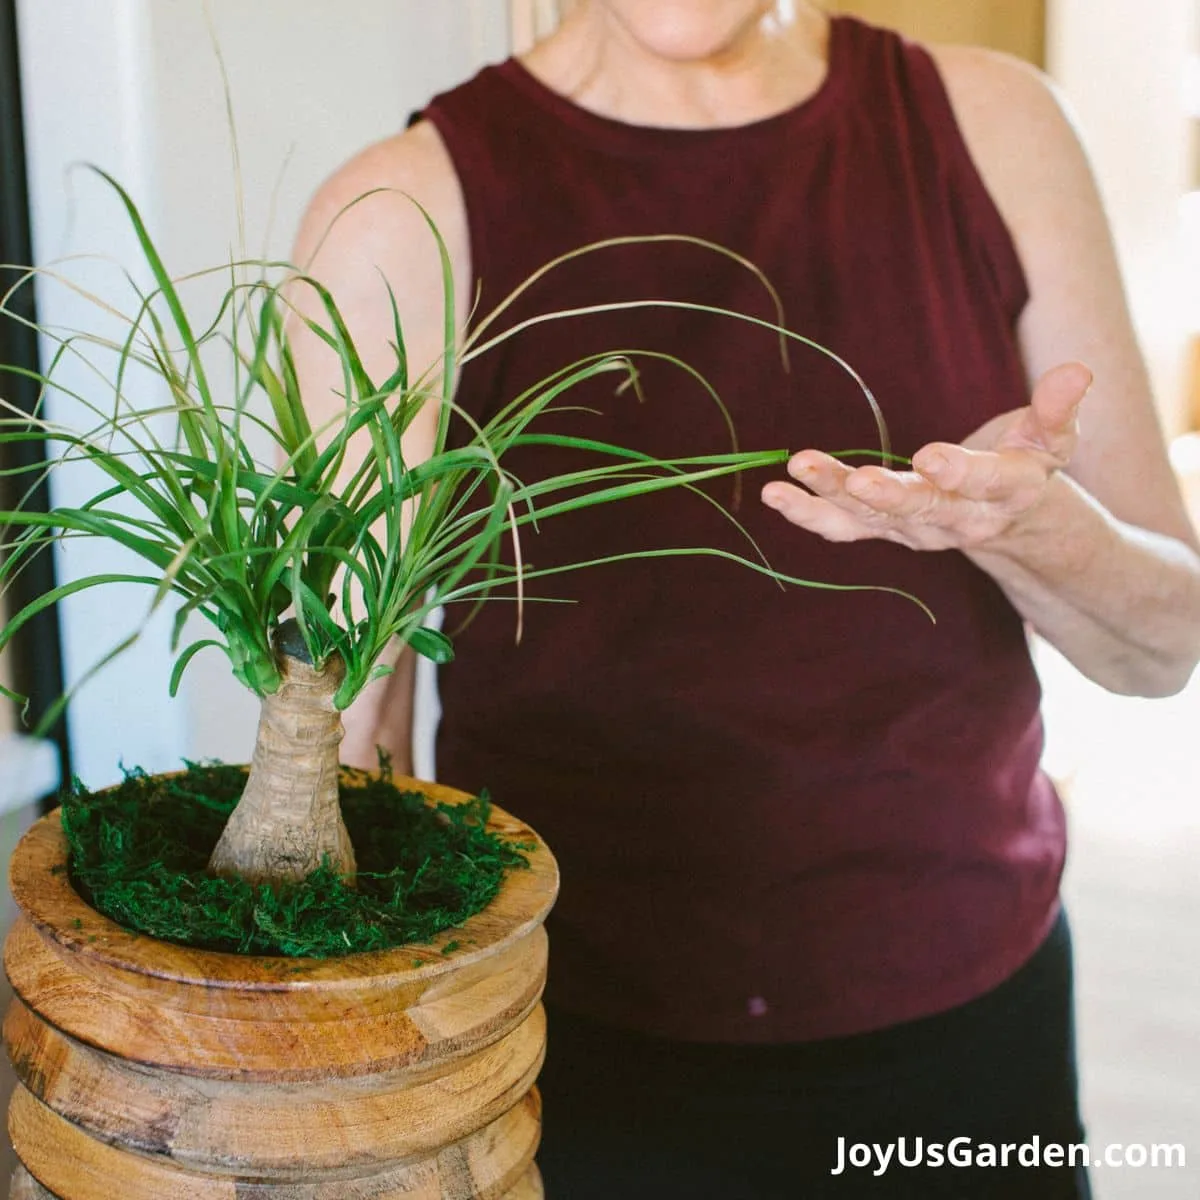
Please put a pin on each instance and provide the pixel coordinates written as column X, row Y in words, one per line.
column 149, row 1071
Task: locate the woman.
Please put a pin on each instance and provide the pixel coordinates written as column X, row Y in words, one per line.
column 810, row 901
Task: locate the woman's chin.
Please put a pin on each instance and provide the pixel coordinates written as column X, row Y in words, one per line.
column 688, row 30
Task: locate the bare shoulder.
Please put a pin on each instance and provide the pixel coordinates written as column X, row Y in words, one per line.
column 980, row 77
column 372, row 214
column 1022, row 139
column 366, row 238
column 1019, row 131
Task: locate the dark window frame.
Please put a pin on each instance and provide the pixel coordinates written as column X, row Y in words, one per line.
column 36, row 654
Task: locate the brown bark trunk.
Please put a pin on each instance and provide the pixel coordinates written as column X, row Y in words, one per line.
column 289, row 820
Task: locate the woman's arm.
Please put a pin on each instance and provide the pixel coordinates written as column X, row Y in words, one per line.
column 1069, row 504
column 361, row 234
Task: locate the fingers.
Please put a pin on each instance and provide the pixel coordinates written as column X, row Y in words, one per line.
column 814, row 513
column 1053, row 410
column 955, row 495
column 825, row 508
column 1000, row 478
column 865, row 492
column 825, row 476
column 847, row 504
column 898, row 494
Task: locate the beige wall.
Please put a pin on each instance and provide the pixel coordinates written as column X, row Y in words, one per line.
column 1016, row 26
column 1123, row 81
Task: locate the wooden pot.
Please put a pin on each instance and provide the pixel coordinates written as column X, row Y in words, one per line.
column 149, row 1071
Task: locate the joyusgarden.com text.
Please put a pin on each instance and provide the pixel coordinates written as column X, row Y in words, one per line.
column 879, row 1158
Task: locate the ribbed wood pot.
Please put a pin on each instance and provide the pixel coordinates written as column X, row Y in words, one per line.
column 149, row 1071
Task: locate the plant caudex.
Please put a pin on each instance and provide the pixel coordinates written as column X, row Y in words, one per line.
column 303, row 565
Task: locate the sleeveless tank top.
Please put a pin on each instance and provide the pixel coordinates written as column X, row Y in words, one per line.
column 781, row 814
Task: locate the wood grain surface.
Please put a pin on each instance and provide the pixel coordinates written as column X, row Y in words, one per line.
column 25, row 1187
column 487, row 1165
column 153, row 1070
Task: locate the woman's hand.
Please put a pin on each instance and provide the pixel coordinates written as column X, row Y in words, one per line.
column 956, row 496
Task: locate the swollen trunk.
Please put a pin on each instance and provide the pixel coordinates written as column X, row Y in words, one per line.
column 288, row 821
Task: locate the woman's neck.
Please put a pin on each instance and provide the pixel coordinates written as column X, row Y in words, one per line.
column 765, row 66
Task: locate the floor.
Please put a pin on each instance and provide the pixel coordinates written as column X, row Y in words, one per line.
column 1130, row 772
column 1132, row 779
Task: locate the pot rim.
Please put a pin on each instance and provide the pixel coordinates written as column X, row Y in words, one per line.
column 42, row 890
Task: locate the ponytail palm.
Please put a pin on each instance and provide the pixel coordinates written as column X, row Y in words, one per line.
column 308, row 564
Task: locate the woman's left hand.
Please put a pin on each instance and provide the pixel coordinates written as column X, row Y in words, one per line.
column 956, row 496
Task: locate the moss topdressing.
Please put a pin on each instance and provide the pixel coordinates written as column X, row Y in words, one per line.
column 138, row 853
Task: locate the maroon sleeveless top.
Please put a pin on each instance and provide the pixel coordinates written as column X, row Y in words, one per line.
column 781, row 814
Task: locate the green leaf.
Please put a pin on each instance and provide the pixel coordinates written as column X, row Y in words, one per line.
column 433, row 644
column 181, row 663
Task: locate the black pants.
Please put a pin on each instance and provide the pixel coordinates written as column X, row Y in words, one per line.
column 628, row 1116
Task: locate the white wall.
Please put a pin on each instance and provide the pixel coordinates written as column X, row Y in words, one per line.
column 1122, row 67
column 133, row 85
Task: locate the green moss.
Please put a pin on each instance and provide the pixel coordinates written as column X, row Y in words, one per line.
column 138, row 853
